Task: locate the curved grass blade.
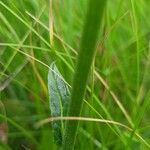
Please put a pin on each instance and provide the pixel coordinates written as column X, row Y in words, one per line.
column 59, row 100
column 85, row 58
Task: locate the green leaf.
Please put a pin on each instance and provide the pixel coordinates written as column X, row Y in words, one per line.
column 84, row 61
column 59, row 96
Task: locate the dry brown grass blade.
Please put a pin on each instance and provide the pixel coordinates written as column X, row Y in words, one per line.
column 105, row 121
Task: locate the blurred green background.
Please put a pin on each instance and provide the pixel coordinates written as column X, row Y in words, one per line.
column 35, row 33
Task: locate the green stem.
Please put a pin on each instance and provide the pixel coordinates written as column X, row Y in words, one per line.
column 85, row 58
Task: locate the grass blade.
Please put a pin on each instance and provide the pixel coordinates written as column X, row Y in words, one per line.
column 85, row 58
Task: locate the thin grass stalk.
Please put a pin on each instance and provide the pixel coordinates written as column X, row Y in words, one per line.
column 85, row 58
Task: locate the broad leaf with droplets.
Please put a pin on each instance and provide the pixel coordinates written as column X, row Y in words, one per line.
column 59, row 96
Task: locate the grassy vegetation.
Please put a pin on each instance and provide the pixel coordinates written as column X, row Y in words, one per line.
column 84, row 62
column 115, row 112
